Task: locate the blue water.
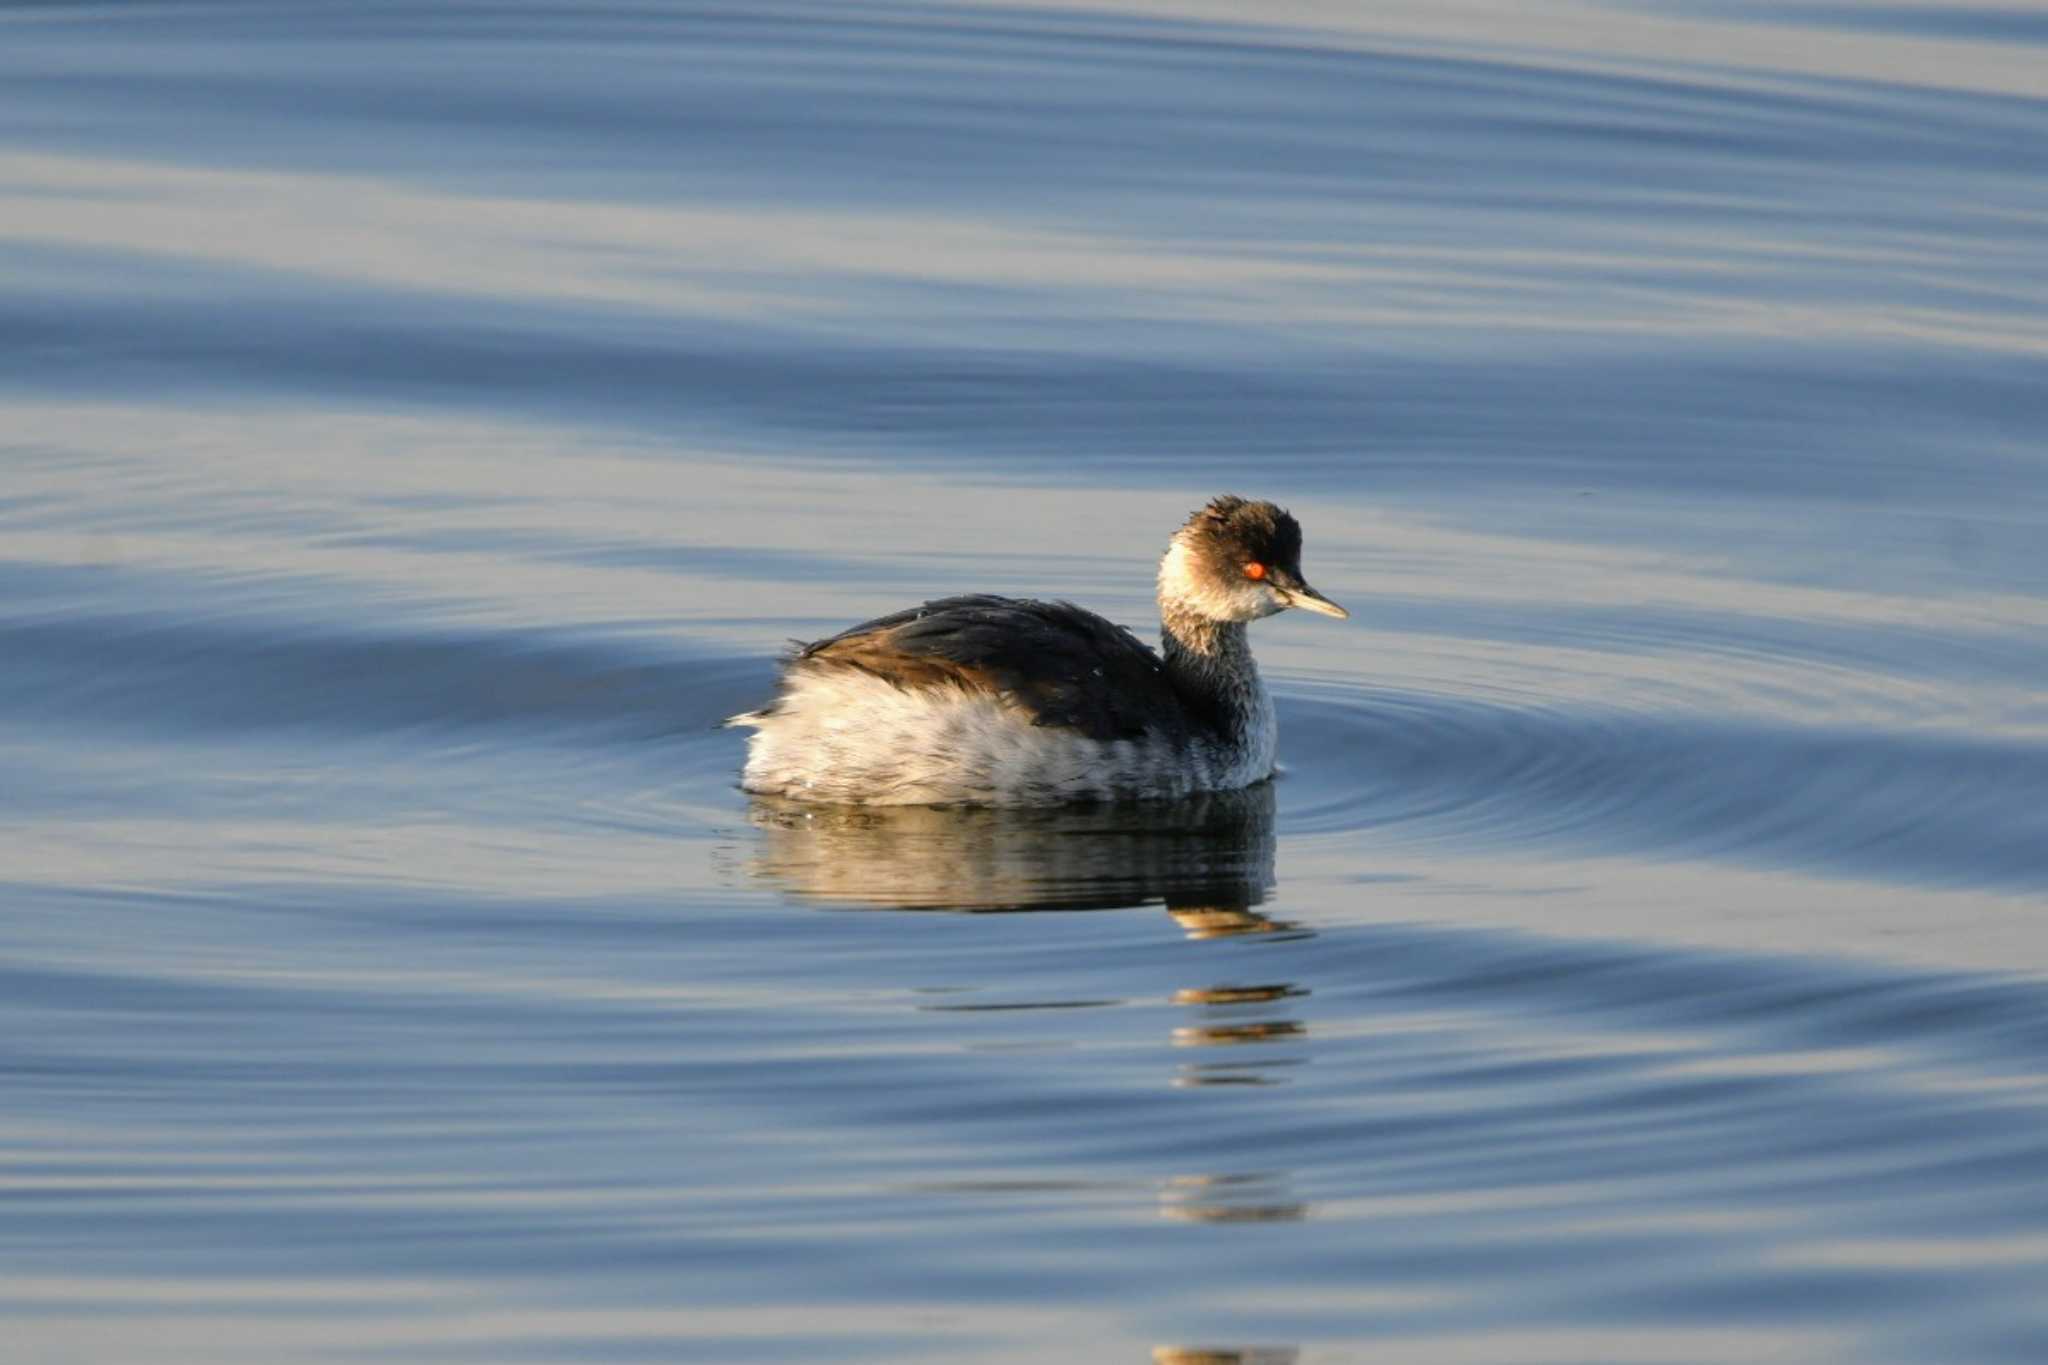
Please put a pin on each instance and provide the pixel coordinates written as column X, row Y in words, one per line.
column 422, row 424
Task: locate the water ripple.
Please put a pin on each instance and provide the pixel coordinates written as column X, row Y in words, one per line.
column 1880, row 803
column 247, row 674
column 425, row 422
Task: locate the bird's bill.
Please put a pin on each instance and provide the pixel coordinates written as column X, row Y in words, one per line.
column 1308, row 599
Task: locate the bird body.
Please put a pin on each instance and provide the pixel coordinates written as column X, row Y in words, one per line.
column 983, row 700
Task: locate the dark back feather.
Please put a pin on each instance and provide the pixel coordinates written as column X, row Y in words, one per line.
column 1065, row 666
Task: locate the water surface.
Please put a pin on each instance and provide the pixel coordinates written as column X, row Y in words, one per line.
column 423, row 427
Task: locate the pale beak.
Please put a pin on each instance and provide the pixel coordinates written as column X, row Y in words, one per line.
column 1308, row 599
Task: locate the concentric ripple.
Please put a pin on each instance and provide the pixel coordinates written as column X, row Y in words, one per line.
column 1890, row 804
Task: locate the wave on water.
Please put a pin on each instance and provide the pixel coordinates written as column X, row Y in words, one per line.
column 1907, row 805
column 1885, row 804
column 198, row 677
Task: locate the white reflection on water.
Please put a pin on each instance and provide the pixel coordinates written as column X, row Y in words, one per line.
column 1907, row 1253
column 367, row 231
column 1583, row 33
column 851, row 271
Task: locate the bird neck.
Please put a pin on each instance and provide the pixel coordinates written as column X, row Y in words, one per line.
column 1210, row 663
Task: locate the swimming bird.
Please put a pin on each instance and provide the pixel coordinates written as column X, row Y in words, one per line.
column 1003, row 701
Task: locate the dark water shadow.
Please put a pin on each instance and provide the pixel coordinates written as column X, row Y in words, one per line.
column 181, row 674
column 1210, row 855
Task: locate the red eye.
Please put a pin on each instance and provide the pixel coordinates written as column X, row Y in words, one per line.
column 1254, row 570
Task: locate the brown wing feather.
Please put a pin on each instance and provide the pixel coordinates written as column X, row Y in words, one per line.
column 1065, row 666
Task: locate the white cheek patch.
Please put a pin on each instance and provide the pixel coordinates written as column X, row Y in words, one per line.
column 1182, row 580
column 1266, row 601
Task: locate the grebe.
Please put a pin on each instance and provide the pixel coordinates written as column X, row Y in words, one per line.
column 1002, row 701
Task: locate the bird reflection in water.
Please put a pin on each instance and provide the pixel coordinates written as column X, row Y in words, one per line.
column 1250, row 1197
column 1228, row 921
column 1208, row 860
column 1239, row 1017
